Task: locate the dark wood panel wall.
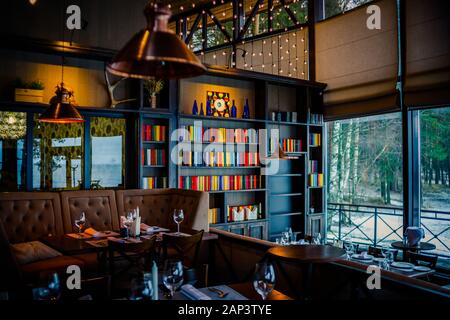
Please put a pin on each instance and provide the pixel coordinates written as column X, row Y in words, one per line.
column 106, row 24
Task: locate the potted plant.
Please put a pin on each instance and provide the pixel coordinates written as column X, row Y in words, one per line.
column 29, row 91
column 153, row 87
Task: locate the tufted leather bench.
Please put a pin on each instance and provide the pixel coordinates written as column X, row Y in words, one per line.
column 98, row 205
column 28, row 217
column 156, row 206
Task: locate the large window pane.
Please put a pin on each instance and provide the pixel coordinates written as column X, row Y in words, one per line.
column 335, row 7
column 58, row 156
column 12, row 151
column 435, row 173
column 107, row 152
column 365, row 179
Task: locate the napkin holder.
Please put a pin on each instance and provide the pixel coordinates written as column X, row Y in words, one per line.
column 135, row 230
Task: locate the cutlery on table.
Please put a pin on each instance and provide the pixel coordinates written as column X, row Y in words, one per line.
column 220, row 293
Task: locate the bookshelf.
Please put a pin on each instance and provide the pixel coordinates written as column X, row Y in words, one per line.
column 283, row 199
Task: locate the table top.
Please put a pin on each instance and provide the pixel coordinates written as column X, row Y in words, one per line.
column 422, row 246
column 71, row 246
column 247, row 290
column 307, row 253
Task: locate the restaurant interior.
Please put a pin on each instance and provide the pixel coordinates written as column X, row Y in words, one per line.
column 225, row 150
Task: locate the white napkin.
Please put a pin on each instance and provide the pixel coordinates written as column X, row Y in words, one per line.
column 192, row 293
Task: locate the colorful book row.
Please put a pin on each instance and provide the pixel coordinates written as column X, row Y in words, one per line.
column 315, row 180
column 288, row 145
column 154, row 182
column 243, row 213
column 315, row 118
column 153, row 133
column 219, row 183
column 313, row 166
column 314, row 139
column 213, row 215
column 154, row 157
column 218, row 135
column 220, row 159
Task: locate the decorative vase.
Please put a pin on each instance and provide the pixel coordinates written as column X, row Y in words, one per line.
column 202, row 113
column 153, row 101
column 195, row 108
column 233, row 110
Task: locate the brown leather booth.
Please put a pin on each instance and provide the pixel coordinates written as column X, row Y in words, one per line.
column 28, row 217
column 99, row 207
column 156, row 206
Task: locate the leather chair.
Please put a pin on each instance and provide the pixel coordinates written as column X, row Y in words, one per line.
column 422, row 259
column 156, row 206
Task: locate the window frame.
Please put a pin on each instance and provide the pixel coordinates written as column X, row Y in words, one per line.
column 31, row 111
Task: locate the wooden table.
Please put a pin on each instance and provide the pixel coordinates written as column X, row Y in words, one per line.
column 71, row 246
column 304, row 254
column 423, row 246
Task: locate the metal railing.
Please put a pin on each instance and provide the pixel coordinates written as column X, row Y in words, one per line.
column 380, row 225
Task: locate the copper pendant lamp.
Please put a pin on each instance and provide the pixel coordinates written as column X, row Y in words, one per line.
column 156, row 51
column 62, row 108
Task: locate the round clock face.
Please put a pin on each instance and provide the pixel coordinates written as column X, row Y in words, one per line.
column 220, row 105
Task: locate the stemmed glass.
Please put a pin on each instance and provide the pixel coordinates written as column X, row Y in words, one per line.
column 81, row 223
column 51, row 291
column 388, row 256
column 173, row 275
column 349, row 248
column 317, row 239
column 178, row 217
column 142, row 287
column 264, row 279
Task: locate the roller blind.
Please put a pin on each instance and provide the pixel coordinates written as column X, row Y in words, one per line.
column 427, row 81
column 358, row 65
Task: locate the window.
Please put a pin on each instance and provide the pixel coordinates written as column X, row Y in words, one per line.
column 365, row 179
column 107, row 152
column 58, row 156
column 435, row 177
column 12, row 151
column 335, row 7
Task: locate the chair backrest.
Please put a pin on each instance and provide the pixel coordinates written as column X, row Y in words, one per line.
column 186, row 248
column 99, row 207
column 422, row 259
column 31, row 215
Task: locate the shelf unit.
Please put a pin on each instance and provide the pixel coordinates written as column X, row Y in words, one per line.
column 285, row 197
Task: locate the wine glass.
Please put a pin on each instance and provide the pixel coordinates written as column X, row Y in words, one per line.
column 264, row 279
column 178, row 217
column 142, row 287
column 349, row 248
column 81, row 223
column 51, row 290
column 317, row 239
column 388, row 256
column 173, row 275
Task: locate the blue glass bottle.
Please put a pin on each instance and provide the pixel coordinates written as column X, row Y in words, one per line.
column 233, row 110
column 208, row 108
column 246, row 113
column 195, row 108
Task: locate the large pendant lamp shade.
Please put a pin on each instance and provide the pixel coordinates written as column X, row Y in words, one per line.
column 156, row 51
column 62, row 109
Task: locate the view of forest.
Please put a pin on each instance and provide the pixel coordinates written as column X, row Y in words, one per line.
column 365, row 169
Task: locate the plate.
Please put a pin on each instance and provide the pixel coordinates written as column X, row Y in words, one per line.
column 378, row 260
column 362, row 257
column 402, row 265
column 422, row 269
